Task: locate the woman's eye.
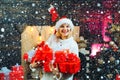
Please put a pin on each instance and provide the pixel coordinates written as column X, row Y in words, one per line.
column 67, row 26
column 62, row 26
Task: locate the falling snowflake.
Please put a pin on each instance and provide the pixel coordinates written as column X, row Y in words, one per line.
column 2, row 29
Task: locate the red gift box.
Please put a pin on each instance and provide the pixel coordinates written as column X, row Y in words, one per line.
column 17, row 73
column 47, row 53
column 63, row 67
column 117, row 77
column 49, row 56
column 73, row 63
column 60, row 57
column 73, row 67
column 67, row 62
column 43, row 55
column 2, row 76
column 17, row 68
column 46, row 67
column 37, row 56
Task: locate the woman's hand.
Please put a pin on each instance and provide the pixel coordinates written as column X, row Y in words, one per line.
column 34, row 64
column 55, row 71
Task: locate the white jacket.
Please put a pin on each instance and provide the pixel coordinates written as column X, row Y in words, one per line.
column 69, row 43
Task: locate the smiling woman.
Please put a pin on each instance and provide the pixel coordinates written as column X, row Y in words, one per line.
column 61, row 40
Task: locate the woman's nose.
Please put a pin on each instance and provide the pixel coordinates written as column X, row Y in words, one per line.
column 65, row 30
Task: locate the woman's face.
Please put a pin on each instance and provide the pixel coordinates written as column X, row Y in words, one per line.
column 64, row 30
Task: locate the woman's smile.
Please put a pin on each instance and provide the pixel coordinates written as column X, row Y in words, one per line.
column 64, row 31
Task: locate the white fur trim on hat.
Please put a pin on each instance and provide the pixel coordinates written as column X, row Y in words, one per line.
column 63, row 21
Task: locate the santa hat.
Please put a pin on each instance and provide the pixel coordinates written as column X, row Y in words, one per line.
column 63, row 21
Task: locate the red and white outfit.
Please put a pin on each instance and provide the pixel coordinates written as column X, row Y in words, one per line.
column 61, row 45
column 56, row 45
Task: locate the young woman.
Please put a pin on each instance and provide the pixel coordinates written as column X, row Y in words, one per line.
column 61, row 40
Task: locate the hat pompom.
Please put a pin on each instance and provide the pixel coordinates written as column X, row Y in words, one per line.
column 63, row 21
